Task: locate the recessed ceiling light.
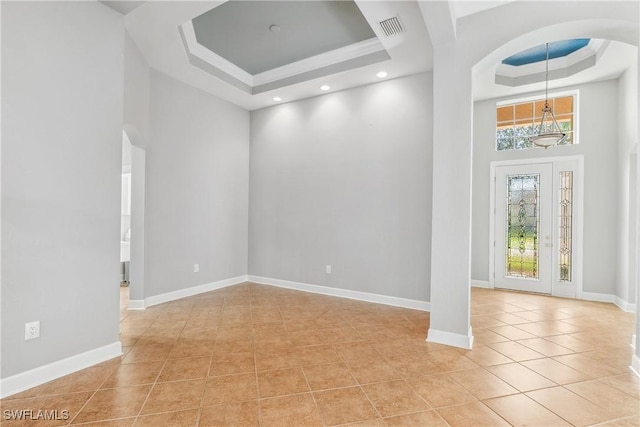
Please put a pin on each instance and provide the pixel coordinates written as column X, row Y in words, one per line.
column 325, row 87
column 381, row 75
column 277, row 98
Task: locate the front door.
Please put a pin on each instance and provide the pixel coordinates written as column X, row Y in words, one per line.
column 523, row 227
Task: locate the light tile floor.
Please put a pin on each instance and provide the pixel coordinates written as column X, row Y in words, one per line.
column 259, row 355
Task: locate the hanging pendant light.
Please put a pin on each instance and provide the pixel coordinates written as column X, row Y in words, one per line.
column 549, row 132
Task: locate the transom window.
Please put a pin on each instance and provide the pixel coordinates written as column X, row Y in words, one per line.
column 516, row 122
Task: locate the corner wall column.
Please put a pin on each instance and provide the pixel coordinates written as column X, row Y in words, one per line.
column 451, row 226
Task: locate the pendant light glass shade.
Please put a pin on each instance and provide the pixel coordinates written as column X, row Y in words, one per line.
column 548, row 133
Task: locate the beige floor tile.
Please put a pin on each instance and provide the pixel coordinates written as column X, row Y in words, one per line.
column 345, row 347
column 413, row 364
column 510, row 319
column 520, row 377
column 296, row 410
column 134, row 374
column 121, row 422
column 484, row 321
column 512, row 332
column 570, row 406
column 545, row 347
column 482, row 384
column 71, row 402
column 515, row 351
column 584, row 364
column 374, row 372
column 317, row 355
column 173, row 419
column 192, row 348
column 622, row 422
column 376, row 422
column 556, row 371
column 185, row 369
column 471, row 414
column 113, row 403
column 440, row 390
column 345, row 405
column 628, row 383
column 230, row 388
column 230, row 414
column 324, row 377
column 520, row 410
column 485, row 356
column 280, row 382
column 232, row 363
column 277, row 359
column 85, row 380
column 607, row 397
column 174, row 396
column 143, row 352
column 450, row 360
column 540, row 329
column 424, row 419
column 572, row 343
column 401, row 346
column 487, row 336
column 394, row 398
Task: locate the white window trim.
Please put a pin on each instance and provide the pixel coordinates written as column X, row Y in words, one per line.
column 537, row 97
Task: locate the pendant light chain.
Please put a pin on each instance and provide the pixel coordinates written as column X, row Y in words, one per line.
column 549, row 132
column 546, row 78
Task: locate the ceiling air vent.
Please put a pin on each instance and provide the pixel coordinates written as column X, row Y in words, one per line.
column 391, row 26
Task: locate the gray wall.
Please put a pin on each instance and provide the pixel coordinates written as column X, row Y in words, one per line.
column 597, row 118
column 136, row 125
column 197, row 182
column 627, row 152
column 61, row 167
column 344, row 179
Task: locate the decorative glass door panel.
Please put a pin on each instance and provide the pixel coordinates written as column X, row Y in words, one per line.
column 523, row 242
column 522, row 226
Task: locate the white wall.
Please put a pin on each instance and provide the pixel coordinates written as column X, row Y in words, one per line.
column 597, row 118
column 136, row 126
column 197, row 182
column 344, row 179
column 627, row 150
column 136, row 93
column 61, row 166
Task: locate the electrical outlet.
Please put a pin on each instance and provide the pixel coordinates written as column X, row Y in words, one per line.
column 31, row 330
column 196, row 268
column 328, row 269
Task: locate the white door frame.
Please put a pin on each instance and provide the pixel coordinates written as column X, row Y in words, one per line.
column 574, row 290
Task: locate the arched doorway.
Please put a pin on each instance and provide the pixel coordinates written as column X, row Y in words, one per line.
column 137, row 222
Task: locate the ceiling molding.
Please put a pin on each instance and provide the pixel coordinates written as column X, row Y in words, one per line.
column 212, row 63
column 196, row 49
column 565, row 66
column 326, row 59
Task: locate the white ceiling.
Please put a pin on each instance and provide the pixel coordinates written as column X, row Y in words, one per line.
column 240, row 31
column 154, row 27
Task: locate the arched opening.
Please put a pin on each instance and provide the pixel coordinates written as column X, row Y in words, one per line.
column 620, row 150
column 136, row 270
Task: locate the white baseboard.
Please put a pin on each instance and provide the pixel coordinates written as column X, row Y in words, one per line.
column 593, row 296
column 449, row 338
column 34, row 377
column 194, row 290
column 480, row 284
column 635, row 365
column 136, row 304
column 613, row 299
column 343, row 293
column 624, row 305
